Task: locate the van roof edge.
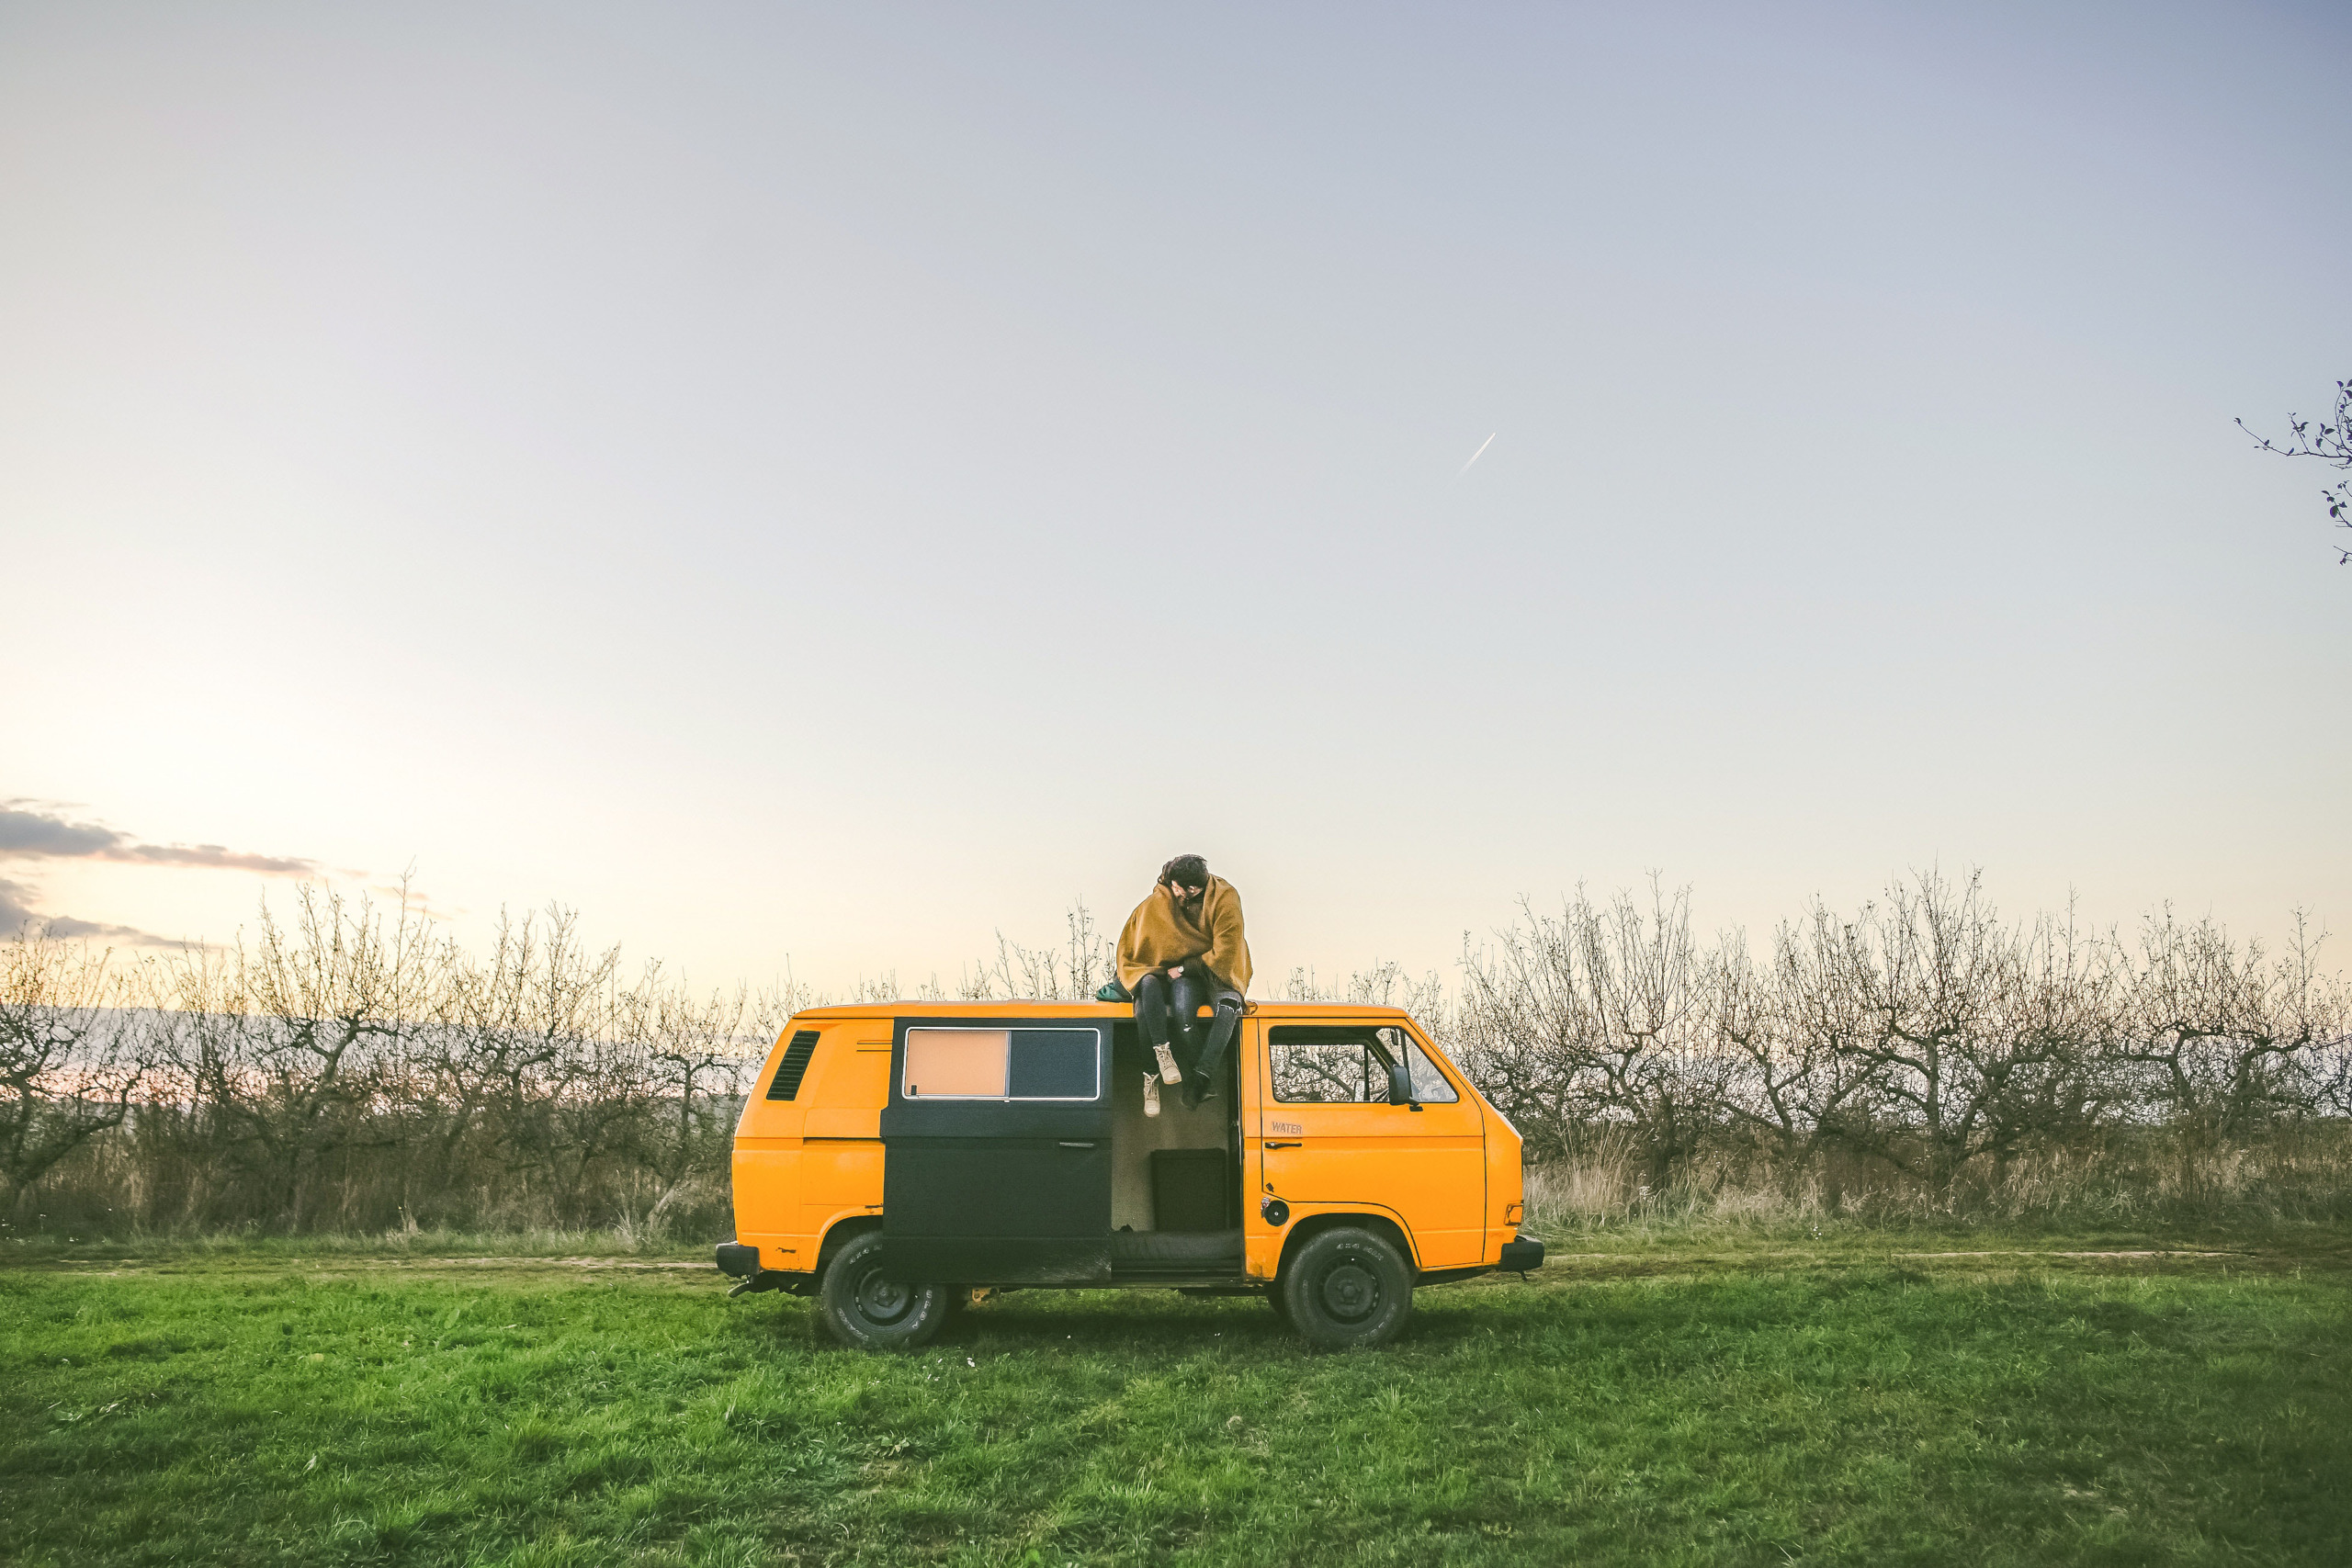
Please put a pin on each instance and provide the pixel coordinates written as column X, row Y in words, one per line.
column 1106, row 1009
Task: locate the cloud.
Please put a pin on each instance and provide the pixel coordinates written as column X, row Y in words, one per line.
column 217, row 856
column 14, row 909
column 32, row 829
column 36, row 835
column 17, row 913
column 26, row 833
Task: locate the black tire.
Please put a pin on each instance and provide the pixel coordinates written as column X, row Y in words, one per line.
column 1347, row 1288
column 1275, row 1299
column 867, row 1312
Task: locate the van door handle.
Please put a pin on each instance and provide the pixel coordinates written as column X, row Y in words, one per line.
column 1285, row 1144
column 1068, row 1145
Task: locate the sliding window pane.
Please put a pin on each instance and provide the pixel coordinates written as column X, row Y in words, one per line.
column 956, row 1064
column 1056, row 1064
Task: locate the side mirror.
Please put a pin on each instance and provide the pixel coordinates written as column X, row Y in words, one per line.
column 1400, row 1084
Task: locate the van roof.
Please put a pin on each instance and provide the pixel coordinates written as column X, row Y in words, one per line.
column 951, row 1008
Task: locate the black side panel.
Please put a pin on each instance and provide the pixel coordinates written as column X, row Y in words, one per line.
column 998, row 1211
column 992, row 1118
column 1012, row 1191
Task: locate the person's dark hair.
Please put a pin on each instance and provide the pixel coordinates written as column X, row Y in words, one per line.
column 1185, row 871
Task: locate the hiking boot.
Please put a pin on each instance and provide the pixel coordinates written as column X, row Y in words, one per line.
column 1151, row 1094
column 1168, row 1072
column 1194, row 1091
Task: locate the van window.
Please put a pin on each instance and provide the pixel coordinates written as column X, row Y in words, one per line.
column 1327, row 1071
column 1430, row 1086
column 1002, row 1064
column 1328, row 1065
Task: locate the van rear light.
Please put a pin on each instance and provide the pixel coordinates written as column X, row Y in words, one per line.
column 795, row 1066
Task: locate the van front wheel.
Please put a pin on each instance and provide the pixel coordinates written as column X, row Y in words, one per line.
column 867, row 1312
column 1346, row 1288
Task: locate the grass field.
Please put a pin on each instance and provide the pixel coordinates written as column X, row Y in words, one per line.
column 1679, row 1397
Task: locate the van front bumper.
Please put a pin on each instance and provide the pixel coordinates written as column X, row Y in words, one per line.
column 1521, row 1254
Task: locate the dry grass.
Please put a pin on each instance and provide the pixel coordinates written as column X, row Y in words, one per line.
column 2301, row 1174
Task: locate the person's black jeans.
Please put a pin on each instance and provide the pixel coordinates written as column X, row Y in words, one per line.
column 1167, row 1011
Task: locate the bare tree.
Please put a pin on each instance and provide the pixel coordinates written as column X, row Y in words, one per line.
column 2330, row 443
column 2223, row 1041
column 291, row 1034
column 772, row 1007
column 1791, row 1030
column 71, row 1057
column 1384, row 985
column 694, row 1050
column 1067, row 973
column 1524, row 1029
column 509, row 1028
column 1977, row 1036
column 1596, row 1018
column 349, row 1069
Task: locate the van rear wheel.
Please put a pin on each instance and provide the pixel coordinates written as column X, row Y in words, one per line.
column 867, row 1312
column 1345, row 1287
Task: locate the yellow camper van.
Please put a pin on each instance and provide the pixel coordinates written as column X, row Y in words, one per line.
column 893, row 1157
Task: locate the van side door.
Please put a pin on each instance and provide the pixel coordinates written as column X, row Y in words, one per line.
column 1329, row 1135
column 997, row 1153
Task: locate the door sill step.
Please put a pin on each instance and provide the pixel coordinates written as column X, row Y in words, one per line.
column 1180, row 1252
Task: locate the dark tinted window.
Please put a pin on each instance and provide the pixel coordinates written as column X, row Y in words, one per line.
column 1054, row 1063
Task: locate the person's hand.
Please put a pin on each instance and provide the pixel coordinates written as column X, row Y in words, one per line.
column 1175, row 971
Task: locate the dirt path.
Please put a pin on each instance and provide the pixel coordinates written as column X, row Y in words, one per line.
column 2023, row 1252
column 359, row 1262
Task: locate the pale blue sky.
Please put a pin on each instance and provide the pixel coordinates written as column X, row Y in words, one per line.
column 753, row 472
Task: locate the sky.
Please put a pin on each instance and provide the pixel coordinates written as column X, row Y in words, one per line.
column 815, row 488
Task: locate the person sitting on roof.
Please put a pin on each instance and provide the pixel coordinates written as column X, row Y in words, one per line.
column 1181, row 950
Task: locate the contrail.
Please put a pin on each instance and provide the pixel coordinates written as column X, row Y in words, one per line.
column 1481, row 452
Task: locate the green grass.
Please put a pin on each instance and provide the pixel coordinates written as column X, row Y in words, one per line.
column 57, row 1248
column 1675, row 1397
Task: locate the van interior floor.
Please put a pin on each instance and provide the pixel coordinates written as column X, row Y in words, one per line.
column 1140, row 1254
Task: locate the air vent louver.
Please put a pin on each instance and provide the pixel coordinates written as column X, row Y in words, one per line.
column 796, row 1062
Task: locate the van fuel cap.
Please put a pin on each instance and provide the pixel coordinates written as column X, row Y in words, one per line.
column 1277, row 1212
